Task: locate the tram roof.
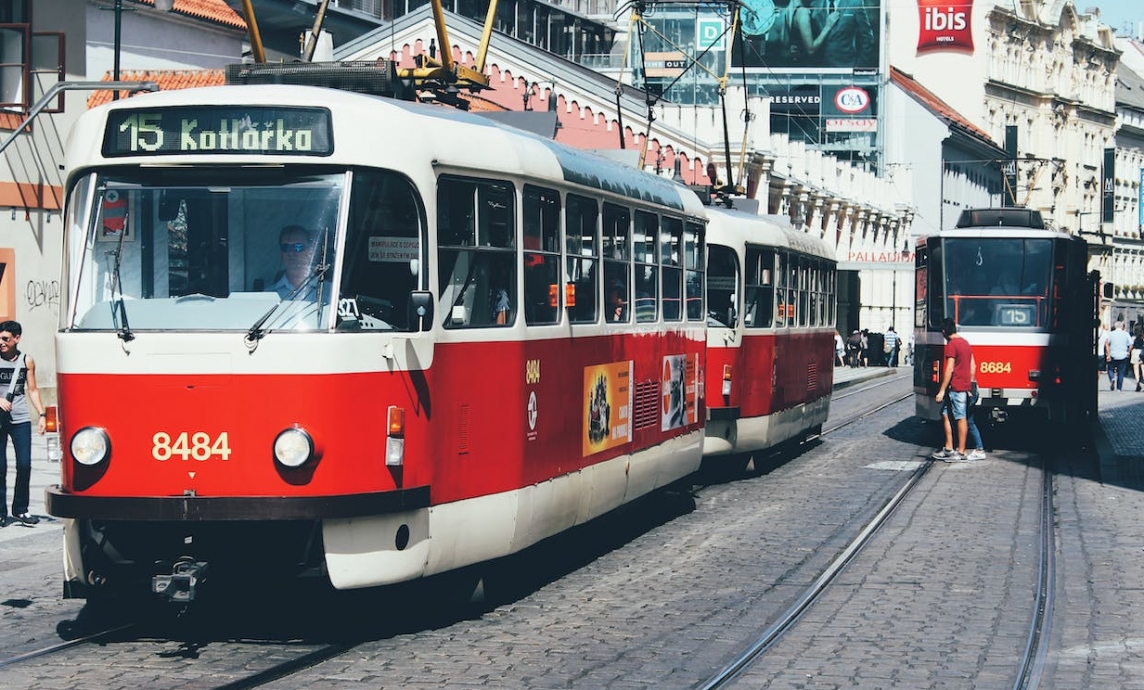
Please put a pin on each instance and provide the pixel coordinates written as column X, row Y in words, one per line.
column 734, row 228
column 387, row 132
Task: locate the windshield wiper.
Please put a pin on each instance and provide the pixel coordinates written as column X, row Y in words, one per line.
column 258, row 329
column 119, row 305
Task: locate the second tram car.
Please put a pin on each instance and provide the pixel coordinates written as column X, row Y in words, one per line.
column 1022, row 295
column 491, row 338
column 770, row 336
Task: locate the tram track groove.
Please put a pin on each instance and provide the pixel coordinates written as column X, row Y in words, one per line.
column 1029, row 667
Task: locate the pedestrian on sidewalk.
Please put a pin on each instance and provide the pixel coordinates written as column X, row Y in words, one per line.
column 18, row 387
column 1134, row 356
column 1119, row 343
column 957, row 378
column 854, row 349
column 1102, row 353
column 893, row 342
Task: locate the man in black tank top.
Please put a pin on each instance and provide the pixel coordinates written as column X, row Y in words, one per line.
column 17, row 388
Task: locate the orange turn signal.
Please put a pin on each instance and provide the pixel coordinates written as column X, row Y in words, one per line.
column 51, row 421
column 396, row 421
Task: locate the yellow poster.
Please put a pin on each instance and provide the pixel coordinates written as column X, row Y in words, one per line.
column 607, row 406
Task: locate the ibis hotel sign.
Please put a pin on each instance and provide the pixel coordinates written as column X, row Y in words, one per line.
column 945, row 25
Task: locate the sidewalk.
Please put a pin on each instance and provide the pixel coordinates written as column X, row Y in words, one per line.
column 1120, row 435
column 847, row 376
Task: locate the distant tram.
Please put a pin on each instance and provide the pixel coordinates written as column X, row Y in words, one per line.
column 770, row 336
column 1022, row 295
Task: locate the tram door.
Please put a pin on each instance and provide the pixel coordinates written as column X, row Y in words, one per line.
column 849, row 301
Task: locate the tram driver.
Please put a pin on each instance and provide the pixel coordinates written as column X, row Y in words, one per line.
column 297, row 246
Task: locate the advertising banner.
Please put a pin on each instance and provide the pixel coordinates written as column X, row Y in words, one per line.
column 815, row 35
column 607, row 406
column 680, row 382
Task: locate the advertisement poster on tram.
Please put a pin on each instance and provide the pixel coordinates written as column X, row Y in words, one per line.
column 607, row 406
column 678, row 390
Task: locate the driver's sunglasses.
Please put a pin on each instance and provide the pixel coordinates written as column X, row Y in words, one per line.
column 295, row 247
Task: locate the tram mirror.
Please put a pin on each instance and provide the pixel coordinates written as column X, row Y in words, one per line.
column 168, row 206
column 420, row 310
column 1108, row 290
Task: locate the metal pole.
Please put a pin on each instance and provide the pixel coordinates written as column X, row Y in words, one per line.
column 75, row 86
column 118, row 32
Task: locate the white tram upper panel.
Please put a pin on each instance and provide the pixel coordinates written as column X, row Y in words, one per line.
column 376, row 131
column 188, row 209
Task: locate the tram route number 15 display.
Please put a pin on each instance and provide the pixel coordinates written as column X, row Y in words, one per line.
column 218, row 129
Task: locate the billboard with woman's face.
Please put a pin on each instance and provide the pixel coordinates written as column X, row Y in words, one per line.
column 817, row 35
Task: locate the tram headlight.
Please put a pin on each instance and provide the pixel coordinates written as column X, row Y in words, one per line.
column 90, row 446
column 293, row 447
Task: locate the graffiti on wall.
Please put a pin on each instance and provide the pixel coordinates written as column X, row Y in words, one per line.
column 42, row 293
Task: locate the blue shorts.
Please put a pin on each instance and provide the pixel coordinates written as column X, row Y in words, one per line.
column 955, row 404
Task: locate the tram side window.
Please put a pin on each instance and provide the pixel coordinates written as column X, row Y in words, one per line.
column 541, row 216
column 921, row 287
column 476, row 252
column 617, row 231
column 758, row 276
column 383, row 253
column 803, row 274
column 671, row 255
column 831, row 293
column 644, row 242
column 582, row 221
column 695, row 261
column 814, row 292
column 780, row 289
column 722, row 286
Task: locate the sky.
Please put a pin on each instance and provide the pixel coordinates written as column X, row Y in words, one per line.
column 1115, row 13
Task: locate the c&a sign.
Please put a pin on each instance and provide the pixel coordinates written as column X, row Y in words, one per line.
column 945, row 25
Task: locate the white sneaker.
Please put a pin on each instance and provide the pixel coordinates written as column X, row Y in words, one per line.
column 976, row 454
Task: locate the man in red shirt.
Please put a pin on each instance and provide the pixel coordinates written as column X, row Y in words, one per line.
column 957, row 378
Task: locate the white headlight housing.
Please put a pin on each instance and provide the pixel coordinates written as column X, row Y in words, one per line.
column 90, row 446
column 293, row 447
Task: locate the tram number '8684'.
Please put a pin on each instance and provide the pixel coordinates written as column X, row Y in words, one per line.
column 198, row 446
column 996, row 367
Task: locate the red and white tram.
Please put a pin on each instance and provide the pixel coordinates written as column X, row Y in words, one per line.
column 491, row 338
column 1022, row 295
column 770, row 336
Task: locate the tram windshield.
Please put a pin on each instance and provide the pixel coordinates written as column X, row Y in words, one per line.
column 239, row 249
column 998, row 282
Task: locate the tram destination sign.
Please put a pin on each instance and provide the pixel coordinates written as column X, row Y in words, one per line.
column 228, row 129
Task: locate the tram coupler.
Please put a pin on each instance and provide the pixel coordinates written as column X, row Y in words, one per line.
column 998, row 416
column 180, row 586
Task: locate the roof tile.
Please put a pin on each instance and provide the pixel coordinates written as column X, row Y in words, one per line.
column 211, row 10
column 168, row 80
